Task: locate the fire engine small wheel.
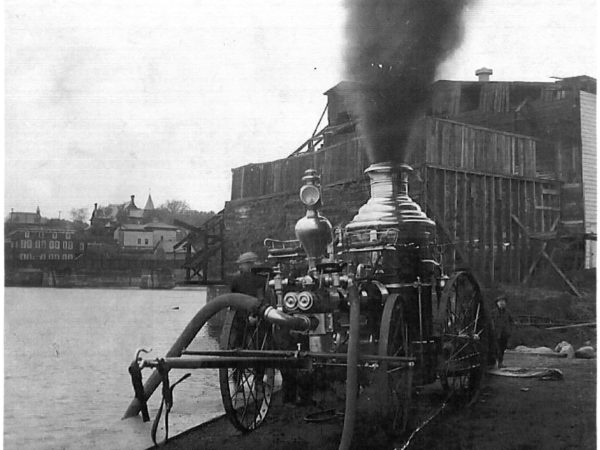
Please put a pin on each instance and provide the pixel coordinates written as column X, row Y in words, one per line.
column 464, row 337
column 394, row 383
column 246, row 392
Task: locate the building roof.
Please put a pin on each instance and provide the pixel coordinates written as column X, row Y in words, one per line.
column 132, row 227
column 24, row 217
column 136, row 213
column 159, row 226
column 149, row 203
column 107, row 212
column 131, row 205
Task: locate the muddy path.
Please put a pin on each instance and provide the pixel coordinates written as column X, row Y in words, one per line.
column 510, row 413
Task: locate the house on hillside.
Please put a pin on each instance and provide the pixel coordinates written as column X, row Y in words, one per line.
column 41, row 244
column 112, row 216
column 146, row 236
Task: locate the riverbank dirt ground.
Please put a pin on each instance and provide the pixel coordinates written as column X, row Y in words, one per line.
column 509, row 413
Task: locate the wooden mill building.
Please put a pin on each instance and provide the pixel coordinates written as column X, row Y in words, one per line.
column 506, row 169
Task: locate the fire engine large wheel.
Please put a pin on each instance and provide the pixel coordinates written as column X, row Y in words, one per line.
column 395, row 383
column 464, row 337
column 246, row 392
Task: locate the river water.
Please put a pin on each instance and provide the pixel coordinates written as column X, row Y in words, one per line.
column 66, row 353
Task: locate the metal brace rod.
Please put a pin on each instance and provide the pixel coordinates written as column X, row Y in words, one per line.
column 295, row 354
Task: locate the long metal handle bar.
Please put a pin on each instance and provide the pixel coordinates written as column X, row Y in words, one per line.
column 298, row 355
column 226, row 362
column 242, row 362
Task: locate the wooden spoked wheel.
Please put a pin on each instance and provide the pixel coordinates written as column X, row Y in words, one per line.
column 464, row 337
column 394, row 382
column 246, row 392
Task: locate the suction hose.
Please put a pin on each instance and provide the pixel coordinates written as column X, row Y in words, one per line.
column 238, row 301
column 351, row 369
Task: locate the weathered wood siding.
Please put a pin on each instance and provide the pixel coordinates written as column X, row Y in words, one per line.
column 440, row 142
column 336, row 164
column 473, row 212
column 456, row 145
column 589, row 170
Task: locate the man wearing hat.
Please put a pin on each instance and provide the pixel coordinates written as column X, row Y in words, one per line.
column 247, row 282
column 503, row 323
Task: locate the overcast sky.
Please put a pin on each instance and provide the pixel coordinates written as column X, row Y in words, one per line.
column 105, row 99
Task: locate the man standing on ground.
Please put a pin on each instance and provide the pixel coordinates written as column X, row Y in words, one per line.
column 246, row 281
column 503, row 323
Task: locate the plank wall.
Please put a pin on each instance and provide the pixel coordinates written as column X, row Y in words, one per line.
column 473, row 211
column 442, row 142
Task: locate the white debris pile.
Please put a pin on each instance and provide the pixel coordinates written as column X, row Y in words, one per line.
column 536, row 350
column 562, row 349
column 565, row 348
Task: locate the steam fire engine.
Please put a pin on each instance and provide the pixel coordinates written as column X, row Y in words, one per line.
column 364, row 304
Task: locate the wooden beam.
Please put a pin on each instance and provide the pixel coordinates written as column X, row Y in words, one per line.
column 539, row 256
column 547, row 257
column 575, row 325
column 561, row 274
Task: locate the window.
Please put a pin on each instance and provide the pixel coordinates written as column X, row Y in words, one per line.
column 67, row 235
column 64, row 245
column 146, row 241
column 37, row 244
column 81, row 246
column 43, row 256
column 56, row 245
column 29, row 243
column 41, row 234
column 53, row 235
column 70, row 256
column 139, row 241
column 27, row 234
column 43, row 244
column 51, row 245
column 70, row 245
column 65, row 256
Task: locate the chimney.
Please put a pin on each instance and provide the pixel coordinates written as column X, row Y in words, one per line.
column 483, row 74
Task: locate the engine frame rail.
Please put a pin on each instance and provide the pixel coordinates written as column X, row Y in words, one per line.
column 218, row 359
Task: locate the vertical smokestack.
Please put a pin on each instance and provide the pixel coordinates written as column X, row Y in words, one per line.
column 483, row 74
column 393, row 50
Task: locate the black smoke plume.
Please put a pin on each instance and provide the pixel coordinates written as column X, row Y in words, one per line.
column 393, row 50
